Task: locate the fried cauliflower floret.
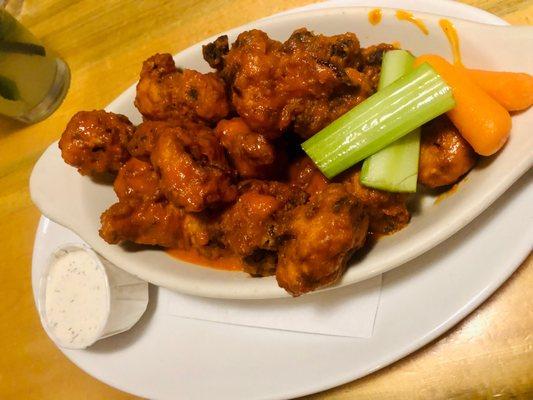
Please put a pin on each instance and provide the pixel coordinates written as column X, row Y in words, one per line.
column 142, row 214
column 153, row 223
column 160, row 223
column 322, row 235
column 250, row 153
column 387, row 211
column 304, row 83
column 250, row 227
column 166, row 92
column 193, row 169
column 444, row 155
column 249, row 70
column 95, row 141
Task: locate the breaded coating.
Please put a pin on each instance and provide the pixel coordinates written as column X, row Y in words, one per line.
column 214, row 52
column 357, row 71
column 445, row 156
column 144, row 216
column 249, row 152
column 370, row 62
column 137, row 182
column 387, row 211
column 250, row 227
column 322, row 235
column 160, row 223
column 166, row 92
column 193, row 168
column 305, row 174
column 95, row 141
column 143, row 140
column 153, row 223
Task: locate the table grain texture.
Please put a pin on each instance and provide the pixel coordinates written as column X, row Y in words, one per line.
column 489, row 354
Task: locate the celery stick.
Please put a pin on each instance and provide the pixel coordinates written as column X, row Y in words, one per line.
column 395, row 64
column 381, row 119
column 394, row 168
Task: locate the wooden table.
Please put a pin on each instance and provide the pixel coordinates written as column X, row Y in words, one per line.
column 488, row 354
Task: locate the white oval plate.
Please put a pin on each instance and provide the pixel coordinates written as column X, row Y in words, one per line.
column 184, row 358
column 77, row 202
column 167, row 357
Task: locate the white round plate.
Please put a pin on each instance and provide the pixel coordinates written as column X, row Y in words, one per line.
column 166, row 357
column 80, row 210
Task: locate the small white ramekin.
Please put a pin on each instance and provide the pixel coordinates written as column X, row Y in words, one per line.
column 127, row 297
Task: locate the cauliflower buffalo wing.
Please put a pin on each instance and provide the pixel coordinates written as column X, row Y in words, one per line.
column 167, row 92
column 250, row 153
column 304, row 83
column 444, row 155
column 320, row 237
column 143, row 215
column 95, row 142
column 193, row 168
column 251, row 226
column 160, row 223
column 152, row 223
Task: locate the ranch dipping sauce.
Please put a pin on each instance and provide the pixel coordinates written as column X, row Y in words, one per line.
column 76, row 302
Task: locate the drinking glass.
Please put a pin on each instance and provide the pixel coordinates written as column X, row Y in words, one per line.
column 33, row 82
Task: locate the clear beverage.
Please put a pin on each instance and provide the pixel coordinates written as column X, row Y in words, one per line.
column 32, row 81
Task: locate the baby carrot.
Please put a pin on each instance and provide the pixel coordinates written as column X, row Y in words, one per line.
column 512, row 90
column 480, row 119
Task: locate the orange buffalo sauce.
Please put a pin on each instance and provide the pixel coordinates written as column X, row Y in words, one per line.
column 451, row 34
column 447, row 193
column 374, row 16
column 228, row 263
column 407, row 16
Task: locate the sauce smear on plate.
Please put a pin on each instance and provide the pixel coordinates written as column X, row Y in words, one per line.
column 374, row 16
column 407, row 16
column 451, row 34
